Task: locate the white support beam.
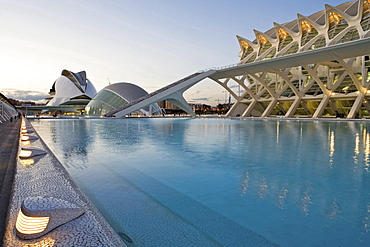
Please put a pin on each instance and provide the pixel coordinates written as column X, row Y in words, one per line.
column 356, row 106
column 293, row 107
column 320, row 109
column 269, row 108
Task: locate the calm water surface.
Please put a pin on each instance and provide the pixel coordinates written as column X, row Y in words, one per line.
column 218, row 182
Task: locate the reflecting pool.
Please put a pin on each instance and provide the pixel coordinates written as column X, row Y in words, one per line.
column 221, row 182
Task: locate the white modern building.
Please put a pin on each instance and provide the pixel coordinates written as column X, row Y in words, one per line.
column 314, row 66
column 72, row 90
column 117, row 95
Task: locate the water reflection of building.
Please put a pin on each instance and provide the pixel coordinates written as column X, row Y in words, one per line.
column 296, row 174
column 74, row 138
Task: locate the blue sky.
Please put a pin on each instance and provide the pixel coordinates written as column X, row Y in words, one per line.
column 148, row 43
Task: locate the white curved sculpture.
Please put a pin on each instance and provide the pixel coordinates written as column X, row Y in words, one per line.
column 71, row 89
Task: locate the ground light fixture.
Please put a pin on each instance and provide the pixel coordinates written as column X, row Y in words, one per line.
column 26, row 162
column 26, row 137
column 25, row 131
column 26, row 153
column 39, row 215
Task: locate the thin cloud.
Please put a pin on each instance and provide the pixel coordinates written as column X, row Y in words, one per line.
column 25, row 95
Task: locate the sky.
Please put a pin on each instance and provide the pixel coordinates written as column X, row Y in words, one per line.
column 145, row 42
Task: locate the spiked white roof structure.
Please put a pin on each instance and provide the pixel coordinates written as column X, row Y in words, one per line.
column 71, row 89
column 314, row 66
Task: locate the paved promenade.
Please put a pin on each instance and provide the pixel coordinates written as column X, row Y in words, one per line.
column 44, row 176
column 9, row 138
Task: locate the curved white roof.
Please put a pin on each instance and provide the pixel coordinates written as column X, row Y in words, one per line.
column 71, row 88
column 126, row 90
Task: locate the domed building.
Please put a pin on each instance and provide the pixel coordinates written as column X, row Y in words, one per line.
column 72, row 90
column 115, row 96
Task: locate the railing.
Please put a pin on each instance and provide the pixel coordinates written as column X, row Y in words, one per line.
column 218, row 68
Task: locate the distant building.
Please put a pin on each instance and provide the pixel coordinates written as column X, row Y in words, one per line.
column 16, row 102
column 7, row 109
column 72, row 90
column 115, row 96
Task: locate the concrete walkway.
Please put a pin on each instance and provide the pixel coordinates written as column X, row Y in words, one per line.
column 9, row 139
column 44, row 176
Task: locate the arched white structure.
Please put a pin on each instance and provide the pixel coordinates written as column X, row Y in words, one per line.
column 71, row 89
column 314, row 66
column 115, row 96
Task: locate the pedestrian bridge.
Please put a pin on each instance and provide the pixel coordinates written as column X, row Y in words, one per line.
column 250, row 101
column 172, row 93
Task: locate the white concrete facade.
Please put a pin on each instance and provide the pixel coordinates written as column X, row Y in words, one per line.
column 71, row 89
column 315, row 66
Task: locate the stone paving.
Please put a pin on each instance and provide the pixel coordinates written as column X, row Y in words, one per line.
column 44, row 176
column 9, row 139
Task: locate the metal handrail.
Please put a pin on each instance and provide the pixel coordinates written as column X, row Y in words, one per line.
column 218, row 68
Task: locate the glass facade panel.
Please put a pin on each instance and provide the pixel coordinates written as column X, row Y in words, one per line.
column 336, row 24
column 292, row 49
column 320, row 42
column 264, row 44
column 271, row 54
column 308, row 32
column 350, row 35
column 104, row 102
column 251, row 59
column 285, row 39
column 365, row 21
column 246, row 49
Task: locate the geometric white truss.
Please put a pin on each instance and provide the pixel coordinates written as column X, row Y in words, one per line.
column 314, row 66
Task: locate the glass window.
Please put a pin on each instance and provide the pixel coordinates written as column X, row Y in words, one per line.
column 264, row 44
column 104, row 102
column 320, row 42
column 271, row 54
column 350, row 35
column 308, row 32
column 251, row 59
column 284, row 39
column 247, row 49
column 336, row 24
column 292, row 49
column 365, row 21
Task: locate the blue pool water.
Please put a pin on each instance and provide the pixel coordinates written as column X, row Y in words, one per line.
column 221, row 182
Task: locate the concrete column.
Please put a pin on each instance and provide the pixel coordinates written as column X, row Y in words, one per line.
column 320, row 109
column 179, row 101
column 250, row 108
column 269, row 108
column 356, row 106
column 293, row 107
